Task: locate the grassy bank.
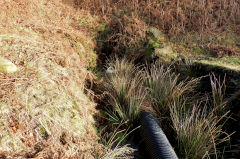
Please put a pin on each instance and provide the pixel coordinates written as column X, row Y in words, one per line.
column 44, row 112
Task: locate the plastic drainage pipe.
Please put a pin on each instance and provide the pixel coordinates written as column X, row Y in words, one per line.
column 156, row 141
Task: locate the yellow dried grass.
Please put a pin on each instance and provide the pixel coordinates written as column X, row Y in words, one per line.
column 44, row 112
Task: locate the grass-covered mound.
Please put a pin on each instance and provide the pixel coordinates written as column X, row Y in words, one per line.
column 43, row 109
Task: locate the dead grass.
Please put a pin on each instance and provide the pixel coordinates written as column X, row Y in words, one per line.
column 129, row 21
column 220, row 51
column 123, row 152
column 44, row 112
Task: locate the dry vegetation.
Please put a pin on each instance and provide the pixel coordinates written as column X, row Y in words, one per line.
column 173, row 16
column 194, row 23
column 43, row 111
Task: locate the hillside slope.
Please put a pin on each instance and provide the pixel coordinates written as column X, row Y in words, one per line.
column 43, row 110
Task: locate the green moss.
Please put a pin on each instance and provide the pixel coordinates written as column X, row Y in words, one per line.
column 157, row 34
column 199, row 50
column 84, row 21
column 102, row 31
column 43, row 132
column 74, row 104
column 92, row 63
column 155, row 43
column 230, row 60
column 154, row 40
column 101, row 28
column 201, row 55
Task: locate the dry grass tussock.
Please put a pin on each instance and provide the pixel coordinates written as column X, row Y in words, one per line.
column 198, row 127
column 125, row 91
column 43, row 110
column 199, row 131
column 165, row 88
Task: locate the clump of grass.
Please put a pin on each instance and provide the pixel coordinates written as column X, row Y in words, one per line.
column 114, row 142
column 198, row 130
column 125, row 96
column 198, row 127
column 165, row 88
column 218, row 94
column 126, row 93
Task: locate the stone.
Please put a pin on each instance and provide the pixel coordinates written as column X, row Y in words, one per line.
column 110, row 70
column 7, row 66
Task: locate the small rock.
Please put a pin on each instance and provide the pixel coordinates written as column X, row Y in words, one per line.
column 7, row 66
column 110, row 70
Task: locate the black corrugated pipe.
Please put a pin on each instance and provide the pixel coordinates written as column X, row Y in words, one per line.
column 156, row 141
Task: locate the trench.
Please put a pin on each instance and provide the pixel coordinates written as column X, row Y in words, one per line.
column 105, row 50
column 135, row 139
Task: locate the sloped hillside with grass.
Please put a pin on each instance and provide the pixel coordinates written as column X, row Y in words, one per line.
column 202, row 30
column 44, row 112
